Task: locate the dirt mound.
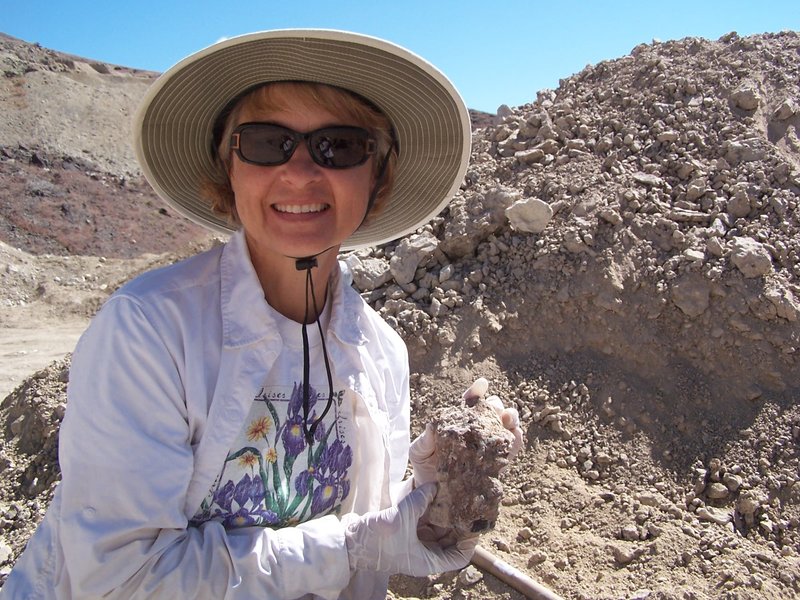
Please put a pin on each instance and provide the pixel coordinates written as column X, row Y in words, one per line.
column 61, row 205
column 29, row 420
column 622, row 264
column 622, row 261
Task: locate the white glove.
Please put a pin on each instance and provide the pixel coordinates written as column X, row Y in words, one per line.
column 423, row 457
column 508, row 416
column 387, row 541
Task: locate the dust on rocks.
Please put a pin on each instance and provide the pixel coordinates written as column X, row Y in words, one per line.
column 622, row 263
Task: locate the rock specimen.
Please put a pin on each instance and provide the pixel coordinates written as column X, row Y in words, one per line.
column 472, row 447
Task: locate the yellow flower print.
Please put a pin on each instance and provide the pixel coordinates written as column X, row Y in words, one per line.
column 259, row 428
column 248, row 459
column 271, row 456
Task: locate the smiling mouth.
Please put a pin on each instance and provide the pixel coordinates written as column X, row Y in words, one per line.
column 300, row 208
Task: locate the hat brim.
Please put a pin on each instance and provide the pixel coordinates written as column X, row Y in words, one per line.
column 174, row 125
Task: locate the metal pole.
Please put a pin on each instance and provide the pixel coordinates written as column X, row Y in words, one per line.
column 483, row 559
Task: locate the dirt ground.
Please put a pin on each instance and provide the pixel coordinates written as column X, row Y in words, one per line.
column 622, row 264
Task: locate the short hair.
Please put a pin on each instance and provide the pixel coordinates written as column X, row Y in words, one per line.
column 277, row 96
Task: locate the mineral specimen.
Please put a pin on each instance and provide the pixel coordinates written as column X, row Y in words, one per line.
column 472, row 448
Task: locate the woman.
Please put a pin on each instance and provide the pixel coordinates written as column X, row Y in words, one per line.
column 237, row 424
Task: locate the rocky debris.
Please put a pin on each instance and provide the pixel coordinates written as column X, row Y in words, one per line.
column 646, row 331
column 660, row 190
column 88, row 92
column 666, row 273
column 61, row 205
column 472, row 448
column 29, row 421
column 76, row 285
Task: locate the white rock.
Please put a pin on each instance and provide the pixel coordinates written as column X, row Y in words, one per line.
column 5, row 552
column 369, row 273
column 715, row 247
column 695, row 190
column 739, row 205
column 531, row 215
column 531, row 156
column 714, row 515
column 504, row 111
column 786, row 304
column 717, row 490
column 469, row 576
column 648, row 179
column 630, row 533
column 746, row 96
column 786, row 110
column 409, row 253
column 751, row 257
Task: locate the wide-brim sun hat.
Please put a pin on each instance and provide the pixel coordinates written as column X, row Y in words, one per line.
column 174, row 126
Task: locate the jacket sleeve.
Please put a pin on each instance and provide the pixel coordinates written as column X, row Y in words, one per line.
column 126, row 459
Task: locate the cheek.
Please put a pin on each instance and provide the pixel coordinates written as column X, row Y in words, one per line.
column 359, row 192
column 246, row 179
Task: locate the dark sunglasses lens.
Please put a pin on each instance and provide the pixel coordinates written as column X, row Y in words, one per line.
column 339, row 147
column 266, row 144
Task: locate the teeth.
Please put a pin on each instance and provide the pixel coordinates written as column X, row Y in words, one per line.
column 301, row 208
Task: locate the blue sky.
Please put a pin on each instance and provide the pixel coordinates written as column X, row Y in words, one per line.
column 496, row 53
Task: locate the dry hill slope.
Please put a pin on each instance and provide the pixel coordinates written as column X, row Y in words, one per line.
column 622, row 264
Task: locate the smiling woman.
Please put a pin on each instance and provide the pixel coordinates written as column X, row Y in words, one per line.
column 247, row 410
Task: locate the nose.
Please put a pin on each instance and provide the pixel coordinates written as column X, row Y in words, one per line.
column 300, row 167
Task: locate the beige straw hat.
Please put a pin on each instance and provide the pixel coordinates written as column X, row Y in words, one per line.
column 174, row 125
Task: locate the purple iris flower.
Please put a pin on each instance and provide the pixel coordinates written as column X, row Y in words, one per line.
column 302, row 482
column 224, row 495
column 256, row 492
column 336, row 459
column 241, row 518
column 325, row 495
column 293, row 437
column 267, row 517
column 319, row 432
column 244, row 490
column 296, row 400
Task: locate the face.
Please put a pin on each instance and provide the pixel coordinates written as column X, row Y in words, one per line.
column 298, row 208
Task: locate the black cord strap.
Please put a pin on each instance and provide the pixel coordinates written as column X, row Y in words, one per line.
column 306, row 264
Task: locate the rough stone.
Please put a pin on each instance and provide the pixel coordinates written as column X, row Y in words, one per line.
column 692, row 295
column 408, row 254
column 530, row 215
column 750, row 257
column 472, row 448
column 369, row 273
column 746, row 96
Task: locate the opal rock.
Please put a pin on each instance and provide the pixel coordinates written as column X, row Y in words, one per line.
column 472, row 447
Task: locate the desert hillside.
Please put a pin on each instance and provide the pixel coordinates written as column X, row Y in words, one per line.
column 622, row 262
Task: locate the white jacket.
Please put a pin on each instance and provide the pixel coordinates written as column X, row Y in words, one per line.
column 160, row 385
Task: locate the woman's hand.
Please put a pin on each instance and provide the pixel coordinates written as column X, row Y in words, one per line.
column 508, row 416
column 387, row 540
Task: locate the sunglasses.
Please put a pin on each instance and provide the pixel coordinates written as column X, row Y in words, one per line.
column 270, row 145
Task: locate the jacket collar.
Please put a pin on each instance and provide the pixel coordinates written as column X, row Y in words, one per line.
column 245, row 318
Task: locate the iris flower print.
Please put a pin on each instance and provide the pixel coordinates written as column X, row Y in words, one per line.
column 280, row 478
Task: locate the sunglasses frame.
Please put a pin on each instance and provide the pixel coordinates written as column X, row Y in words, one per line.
column 297, row 138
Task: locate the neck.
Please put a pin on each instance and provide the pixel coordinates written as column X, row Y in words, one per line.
column 285, row 286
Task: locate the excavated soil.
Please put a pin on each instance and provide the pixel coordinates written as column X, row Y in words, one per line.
column 621, row 263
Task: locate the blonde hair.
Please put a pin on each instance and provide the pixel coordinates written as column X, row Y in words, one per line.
column 277, row 96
